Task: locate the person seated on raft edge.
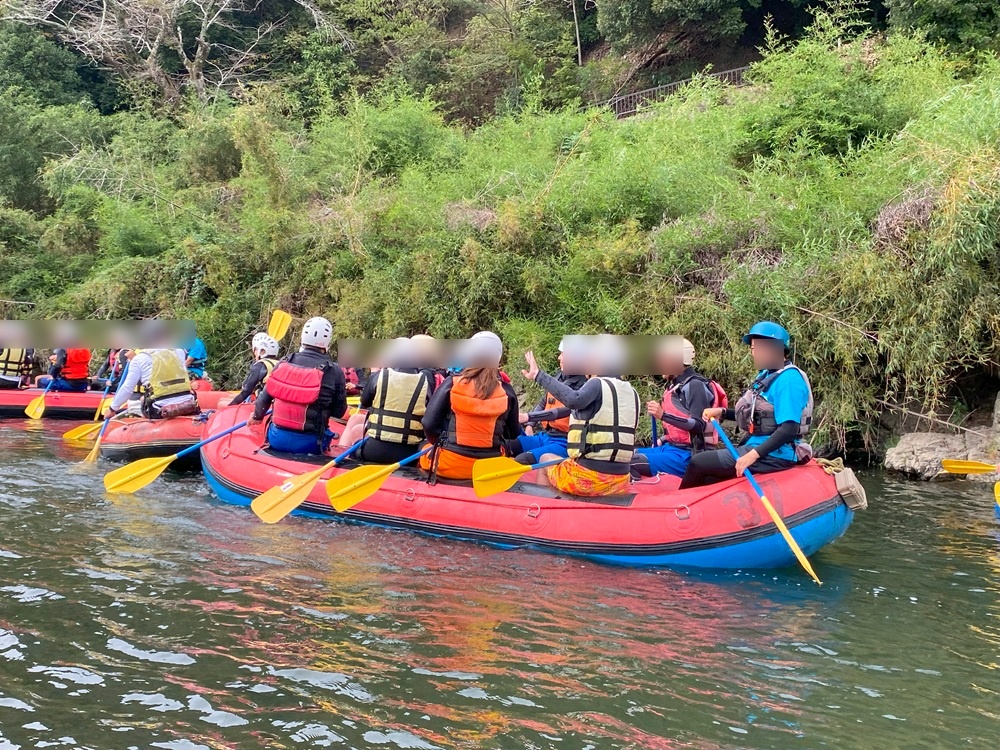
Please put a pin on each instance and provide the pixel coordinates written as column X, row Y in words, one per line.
column 196, row 359
column 163, row 384
column 775, row 412
column 110, row 370
column 15, row 366
column 69, row 371
column 472, row 414
column 601, row 438
column 304, row 389
column 687, row 396
column 551, row 435
column 265, row 353
column 395, row 398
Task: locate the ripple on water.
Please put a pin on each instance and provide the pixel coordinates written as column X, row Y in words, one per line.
column 160, row 657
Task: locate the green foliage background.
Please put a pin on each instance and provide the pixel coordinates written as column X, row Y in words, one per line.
column 852, row 192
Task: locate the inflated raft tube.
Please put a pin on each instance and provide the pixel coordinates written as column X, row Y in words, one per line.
column 83, row 405
column 723, row 526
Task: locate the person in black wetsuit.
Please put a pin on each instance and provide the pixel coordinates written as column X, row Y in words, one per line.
column 265, row 351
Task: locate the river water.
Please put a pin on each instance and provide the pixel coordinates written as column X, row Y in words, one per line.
column 170, row 620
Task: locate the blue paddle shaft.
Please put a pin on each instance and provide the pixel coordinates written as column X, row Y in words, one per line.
column 652, row 422
column 349, row 451
column 736, row 455
column 206, row 441
column 543, row 464
column 415, row 456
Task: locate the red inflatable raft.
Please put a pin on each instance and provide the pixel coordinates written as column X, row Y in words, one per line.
column 60, row 405
column 132, row 438
column 722, row 526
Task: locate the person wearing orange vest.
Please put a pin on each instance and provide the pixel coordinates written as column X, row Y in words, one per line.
column 550, row 436
column 687, row 396
column 69, row 371
column 472, row 414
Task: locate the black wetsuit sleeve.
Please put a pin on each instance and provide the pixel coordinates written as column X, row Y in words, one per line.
column 786, row 433
column 338, row 402
column 438, row 408
column 368, row 394
column 589, row 393
column 56, row 370
column 429, row 374
column 258, row 371
column 512, row 423
column 105, row 367
column 262, row 404
column 698, row 398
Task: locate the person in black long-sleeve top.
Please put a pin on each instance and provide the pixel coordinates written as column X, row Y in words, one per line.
column 303, row 400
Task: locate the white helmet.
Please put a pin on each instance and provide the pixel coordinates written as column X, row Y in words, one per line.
column 317, row 332
column 486, row 349
column 255, row 341
column 268, row 344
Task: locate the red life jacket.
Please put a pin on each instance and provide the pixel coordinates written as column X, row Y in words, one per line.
column 673, row 404
column 77, row 365
column 476, row 426
column 294, row 389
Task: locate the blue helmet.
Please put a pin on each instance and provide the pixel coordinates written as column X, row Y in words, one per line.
column 768, row 330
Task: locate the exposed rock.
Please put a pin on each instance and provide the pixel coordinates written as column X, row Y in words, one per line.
column 920, row 454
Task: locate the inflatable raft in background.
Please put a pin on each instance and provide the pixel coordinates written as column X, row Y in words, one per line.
column 723, row 526
column 81, row 406
column 131, row 438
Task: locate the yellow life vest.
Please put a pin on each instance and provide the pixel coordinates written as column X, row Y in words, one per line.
column 269, row 364
column 12, row 362
column 400, row 402
column 610, row 434
column 169, row 377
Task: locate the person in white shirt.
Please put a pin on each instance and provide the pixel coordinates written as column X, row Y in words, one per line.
column 160, row 376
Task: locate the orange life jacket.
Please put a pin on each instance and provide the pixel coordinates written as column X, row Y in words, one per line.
column 560, row 425
column 77, row 365
column 475, row 428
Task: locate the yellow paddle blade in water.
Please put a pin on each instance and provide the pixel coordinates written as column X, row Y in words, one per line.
column 278, row 502
column 95, row 452
column 954, row 466
column 278, row 327
column 351, row 488
column 83, row 432
column 493, row 475
column 36, row 408
column 136, row 475
column 996, row 492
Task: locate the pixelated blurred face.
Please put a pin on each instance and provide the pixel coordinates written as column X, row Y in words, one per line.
column 768, row 354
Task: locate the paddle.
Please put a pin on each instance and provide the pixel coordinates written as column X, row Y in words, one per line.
column 278, row 502
column 83, row 431
column 799, row 555
column 104, row 396
column 955, row 466
column 95, row 452
column 652, row 421
column 351, row 488
column 278, row 327
column 493, row 475
column 138, row 474
column 36, row 408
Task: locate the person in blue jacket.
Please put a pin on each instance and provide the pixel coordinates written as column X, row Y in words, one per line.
column 775, row 413
column 197, row 359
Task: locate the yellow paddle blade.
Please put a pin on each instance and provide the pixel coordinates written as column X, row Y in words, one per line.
column 493, row 475
column 83, row 432
column 996, row 492
column 136, row 475
column 36, row 408
column 796, row 549
column 278, row 502
column 954, row 466
column 95, row 452
column 278, row 327
column 351, row 488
